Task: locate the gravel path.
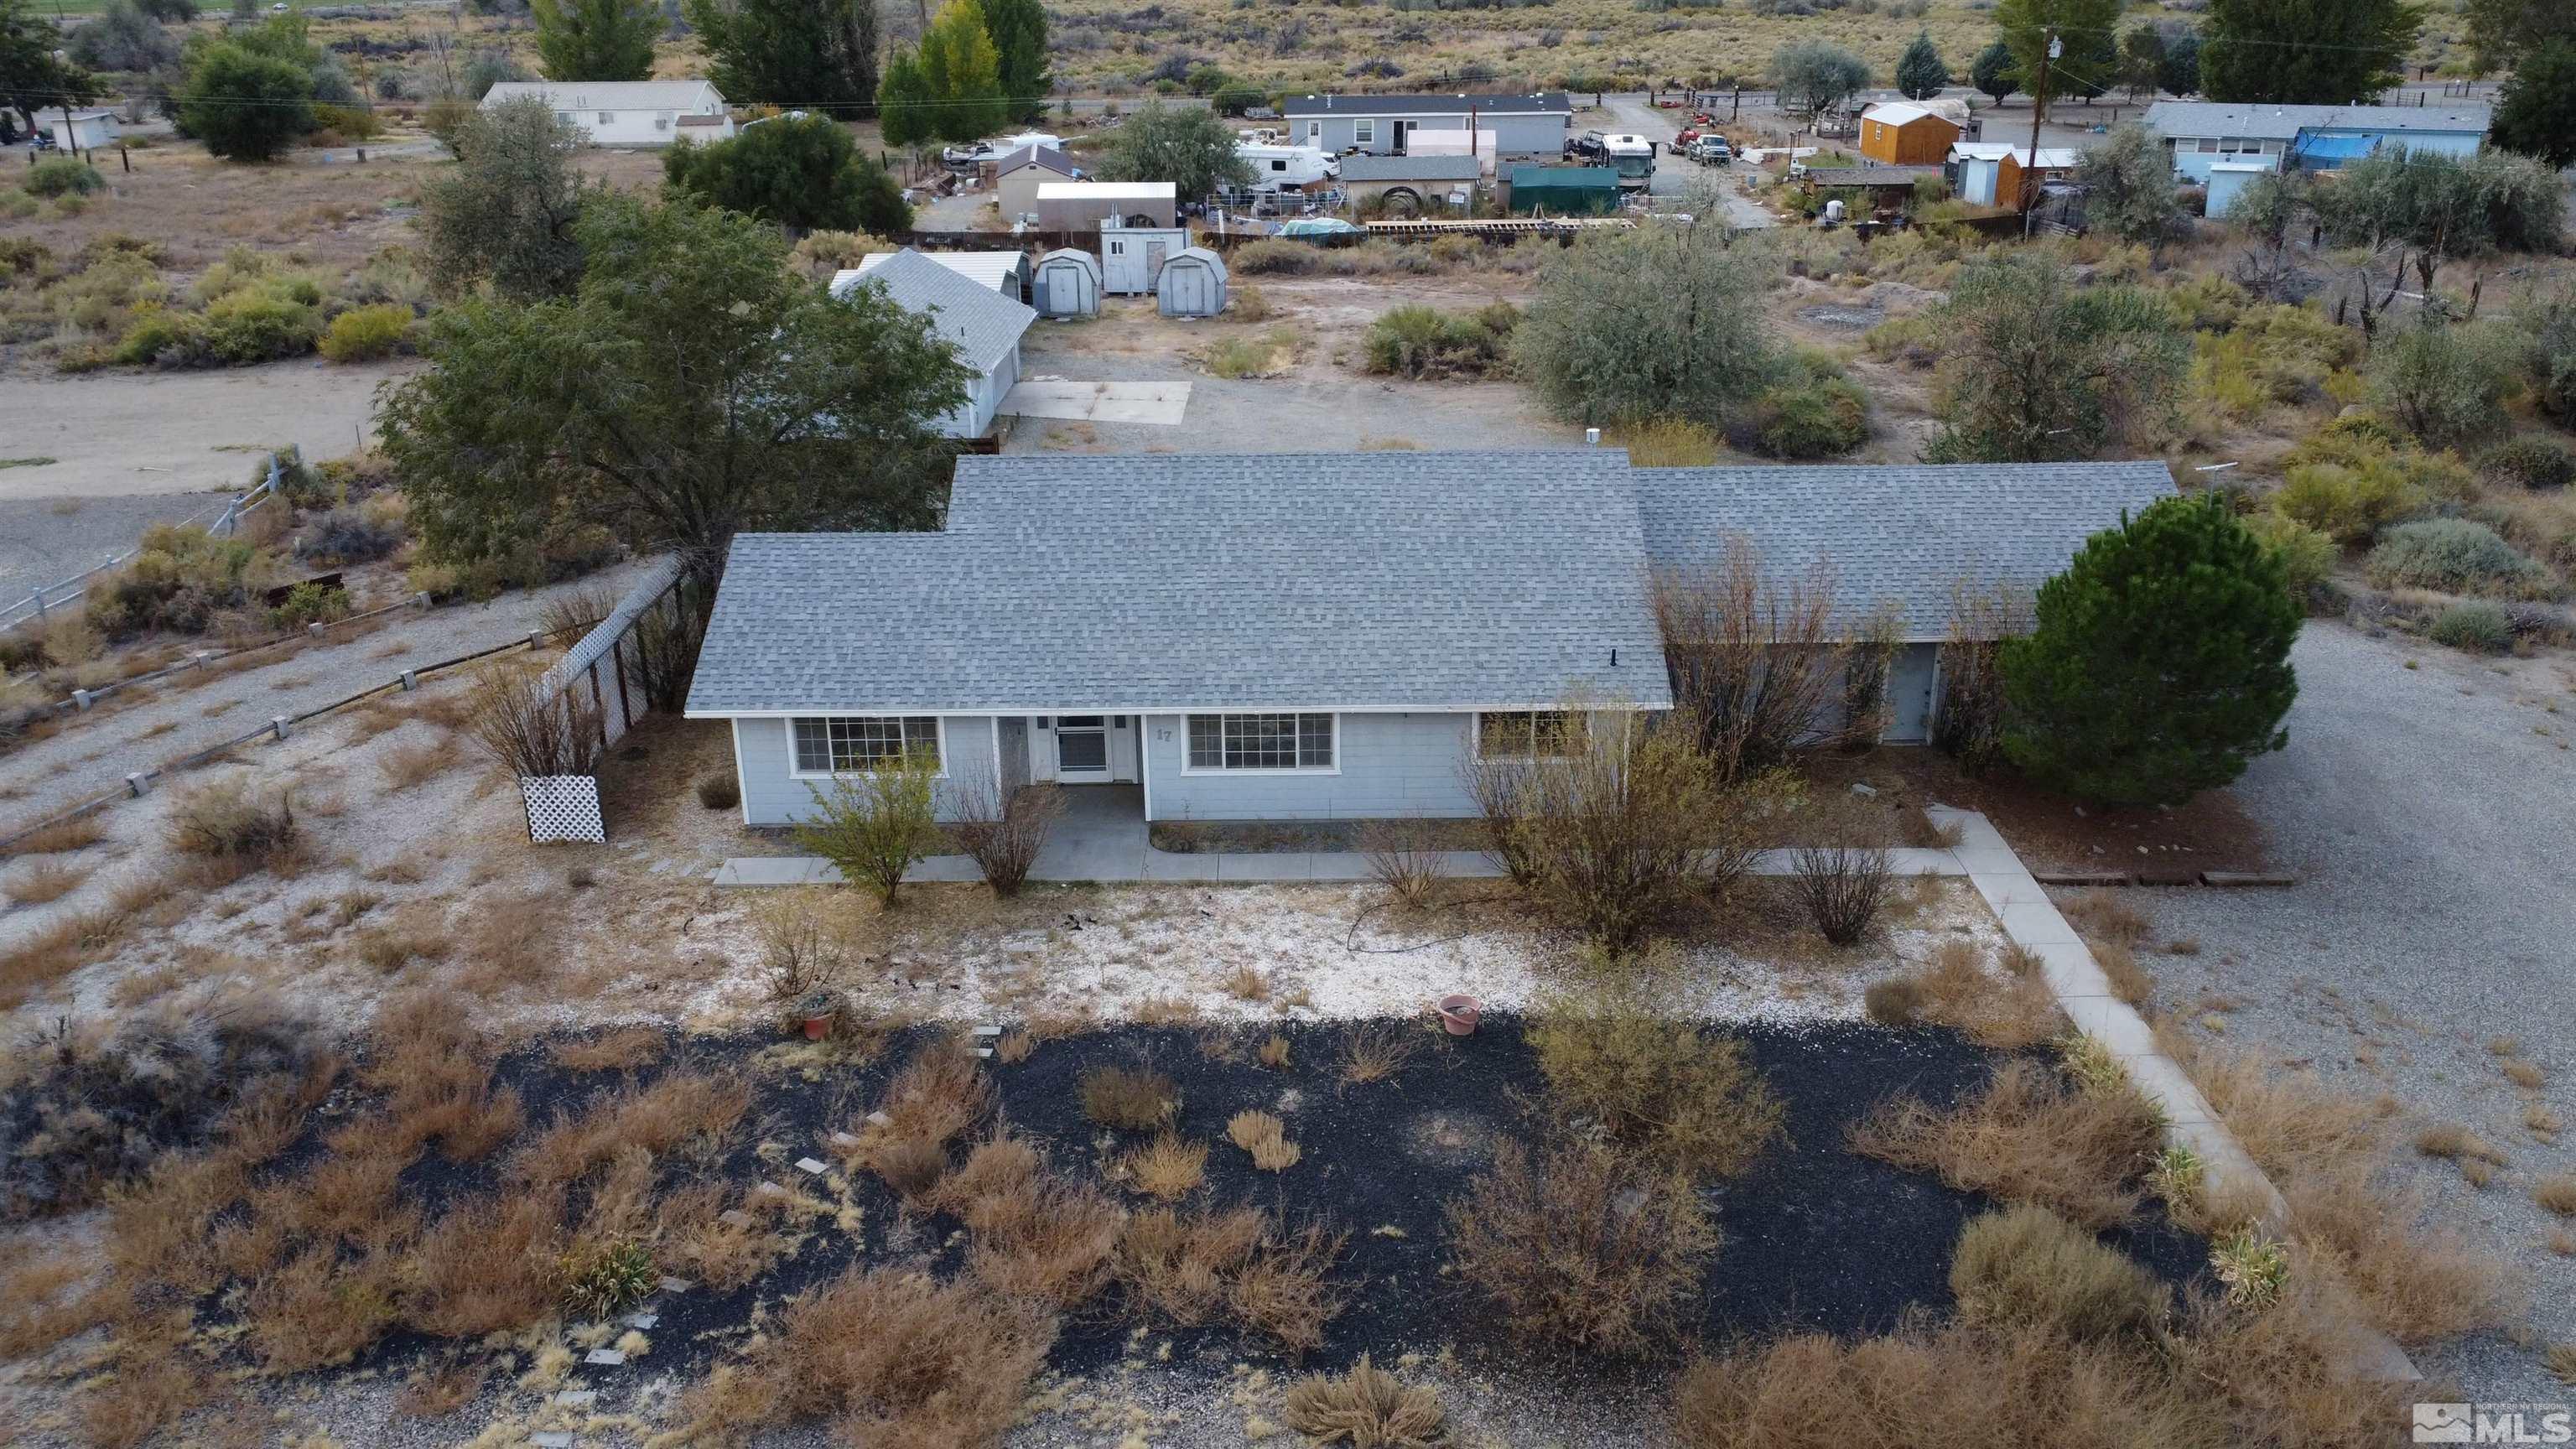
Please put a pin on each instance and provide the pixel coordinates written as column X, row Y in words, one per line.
column 93, row 755
column 46, row 540
column 114, row 434
column 2426, row 812
column 1675, row 176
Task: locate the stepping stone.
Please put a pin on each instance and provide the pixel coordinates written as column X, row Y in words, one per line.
column 551, row 1439
column 879, row 1119
column 808, row 1164
column 983, row 1051
column 606, row 1357
column 676, row 1285
column 642, row 1320
column 844, row 1139
column 988, row 1031
column 770, row 1189
column 734, row 1218
column 576, row 1398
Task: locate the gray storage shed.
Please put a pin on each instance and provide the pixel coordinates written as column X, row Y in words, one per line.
column 1067, row 284
column 1191, row 284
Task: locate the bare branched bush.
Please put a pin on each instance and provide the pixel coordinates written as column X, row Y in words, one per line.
column 1844, row 884
column 1759, row 663
column 1496, row 785
column 530, row 733
column 1969, row 722
column 1405, row 860
column 575, row 610
column 800, row 949
column 1005, row 836
column 1624, row 1247
column 666, row 641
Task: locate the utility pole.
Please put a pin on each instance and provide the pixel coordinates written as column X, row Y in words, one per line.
column 2048, row 51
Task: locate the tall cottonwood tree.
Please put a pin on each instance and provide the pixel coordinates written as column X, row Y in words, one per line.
column 815, row 54
column 596, row 40
column 2305, row 52
column 691, row 388
column 1019, row 31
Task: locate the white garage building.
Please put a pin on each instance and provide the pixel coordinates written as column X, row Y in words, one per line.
column 628, row 113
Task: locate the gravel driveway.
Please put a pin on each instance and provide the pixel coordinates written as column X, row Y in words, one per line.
column 46, row 540
column 93, row 755
column 2427, row 813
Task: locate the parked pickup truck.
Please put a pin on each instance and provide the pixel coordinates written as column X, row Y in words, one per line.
column 1711, row 151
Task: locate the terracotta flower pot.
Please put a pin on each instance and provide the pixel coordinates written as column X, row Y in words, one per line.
column 818, row 1027
column 1458, row 1014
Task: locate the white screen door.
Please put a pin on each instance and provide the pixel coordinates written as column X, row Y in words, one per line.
column 1082, row 748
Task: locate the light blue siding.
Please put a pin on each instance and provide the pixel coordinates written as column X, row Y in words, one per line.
column 1527, row 135
column 974, row 417
column 1393, row 766
column 772, row 795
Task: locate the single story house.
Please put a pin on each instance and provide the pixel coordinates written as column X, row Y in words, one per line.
column 984, row 327
column 1319, row 636
column 1004, row 272
column 1081, row 206
column 628, row 113
column 1418, row 181
column 82, row 130
column 1016, row 178
column 1991, row 173
column 2201, row 134
column 1902, row 133
column 1531, row 125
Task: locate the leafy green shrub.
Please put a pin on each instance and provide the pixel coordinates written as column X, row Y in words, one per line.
column 2453, row 555
column 2028, row 1267
column 1612, row 1054
column 2307, row 556
column 63, row 176
column 351, row 123
column 1418, row 341
column 2529, row 463
column 312, row 604
column 179, row 580
column 2209, row 302
column 2473, row 625
column 259, row 323
column 161, row 337
column 1668, row 443
column 601, row 1279
column 2446, row 383
column 1815, row 418
column 2348, row 505
column 362, row 334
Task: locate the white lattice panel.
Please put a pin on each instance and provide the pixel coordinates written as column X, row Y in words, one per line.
column 563, row 807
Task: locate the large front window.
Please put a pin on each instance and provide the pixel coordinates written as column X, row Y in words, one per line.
column 862, row 742
column 1261, row 742
column 1527, row 734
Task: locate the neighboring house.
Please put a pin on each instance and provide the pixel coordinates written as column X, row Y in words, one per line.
column 1005, row 272
column 1990, row 173
column 1532, row 125
column 2202, row 134
column 1083, row 206
column 82, row 130
column 628, row 113
column 1902, row 133
column 1016, row 178
column 1319, row 636
column 1417, row 181
column 983, row 325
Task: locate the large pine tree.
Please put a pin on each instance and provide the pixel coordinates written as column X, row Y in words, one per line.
column 596, row 40
column 1019, row 30
column 815, row 54
column 1920, row 72
column 2161, row 661
column 2305, row 52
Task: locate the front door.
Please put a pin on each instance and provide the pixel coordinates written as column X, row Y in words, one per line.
column 1403, row 136
column 1082, row 749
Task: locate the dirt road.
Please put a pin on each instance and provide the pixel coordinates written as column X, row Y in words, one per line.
column 127, row 434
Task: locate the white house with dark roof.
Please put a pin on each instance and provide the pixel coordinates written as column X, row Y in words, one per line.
column 2202, row 134
column 983, row 326
column 1317, row 636
column 1530, row 125
column 1016, row 179
column 628, row 113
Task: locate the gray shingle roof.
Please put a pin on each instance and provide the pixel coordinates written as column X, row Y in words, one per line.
column 983, row 323
column 1143, row 582
column 1547, row 102
column 1411, row 168
column 1900, row 537
column 1046, row 157
column 2282, row 123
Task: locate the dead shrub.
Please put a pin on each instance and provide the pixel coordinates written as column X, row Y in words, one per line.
column 318, row 1310
column 531, row 733
column 2100, row 916
column 573, row 611
column 800, row 950
column 2012, row 1012
column 693, row 1234
column 149, row 1392
column 937, row 1096
column 1190, row 1269
column 686, row 1113
column 2556, row 1195
column 407, row 765
column 895, row 1358
column 1896, row 1001
column 227, row 821
column 1130, row 1099
column 435, row 1393
column 1612, row 1053
column 1273, row 1052
column 61, row 838
column 2025, row 1139
column 1005, row 837
column 1366, row 1408
column 2026, row 1266
column 912, row 1166
column 43, row 881
column 490, row 1265
column 1281, row 1292
column 1266, row 1138
column 1624, row 1247
column 623, row 1050
column 1168, row 1169
column 1031, row 1234
column 1843, row 888
column 1405, row 859
column 1760, row 662
column 2129, row 980
column 1377, row 1050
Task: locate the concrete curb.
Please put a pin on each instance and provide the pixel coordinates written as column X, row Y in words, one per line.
column 2032, row 921
column 1221, row 867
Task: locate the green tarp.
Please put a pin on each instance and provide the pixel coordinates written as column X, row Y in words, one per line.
column 1564, row 190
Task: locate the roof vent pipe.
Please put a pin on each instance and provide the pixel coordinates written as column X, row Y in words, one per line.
column 1592, row 437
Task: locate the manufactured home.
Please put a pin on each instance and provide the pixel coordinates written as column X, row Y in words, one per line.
column 1321, row 636
column 2204, row 134
column 1531, row 125
column 628, row 113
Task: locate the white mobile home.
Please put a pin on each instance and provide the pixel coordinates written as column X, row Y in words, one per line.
column 628, row 113
column 1532, row 125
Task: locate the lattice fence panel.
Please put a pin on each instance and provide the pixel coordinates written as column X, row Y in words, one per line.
column 562, row 808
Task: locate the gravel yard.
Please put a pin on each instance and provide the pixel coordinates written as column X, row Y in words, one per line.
column 2424, row 804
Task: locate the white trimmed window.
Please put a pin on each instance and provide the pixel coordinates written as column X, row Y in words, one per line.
column 845, row 743
column 1261, row 742
column 1364, row 132
column 1532, row 734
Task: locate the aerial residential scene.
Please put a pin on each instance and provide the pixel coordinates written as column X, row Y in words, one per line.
column 1033, row 724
